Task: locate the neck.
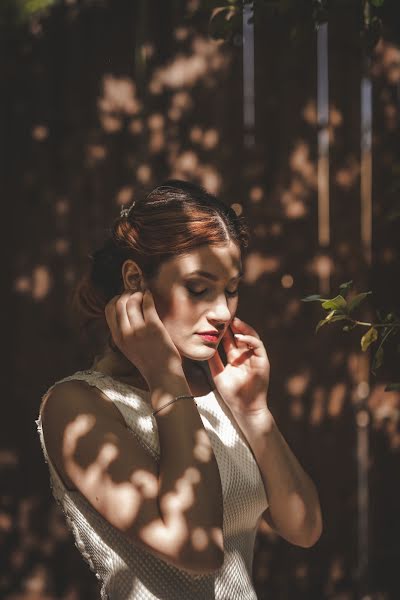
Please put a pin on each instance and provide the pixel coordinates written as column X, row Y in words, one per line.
column 115, row 363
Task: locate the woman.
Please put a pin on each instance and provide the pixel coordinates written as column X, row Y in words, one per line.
column 164, row 455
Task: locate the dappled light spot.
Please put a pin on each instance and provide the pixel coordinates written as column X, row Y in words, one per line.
column 61, row 246
column 260, row 230
column 296, row 408
column 111, row 123
column 156, row 121
column 291, row 199
column 210, row 139
column 336, row 400
column 256, row 194
column 287, row 281
column 202, row 451
column 40, row 132
column 347, row 177
column 300, row 162
column 174, row 114
column 196, row 134
column 135, row 126
column 6, row 522
column 237, row 208
column 388, row 255
column 321, row 265
column 36, row 581
column 257, row 265
column 156, row 142
column 62, row 207
column 384, row 406
column 23, row 284
column 292, row 309
column 210, row 178
column 297, row 384
column 79, row 427
column 146, row 482
column 182, row 101
column 336, row 570
column 95, row 153
column 187, row 161
column 275, row 229
column 317, row 412
column 199, row 539
column 125, row 195
column 387, row 61
column 309, row 112
column 8, row 458
column 187, row 70
column 143, row 173
column 181, row 33
column 119, row 96
column 301, row 571
column 41, row 282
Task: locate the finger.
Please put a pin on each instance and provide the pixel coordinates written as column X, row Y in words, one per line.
column 121, row 314
column 134, row 310
column 242, row 327
column 252, row 343
column 216, row 365
column 150, row 313
column 229, row 344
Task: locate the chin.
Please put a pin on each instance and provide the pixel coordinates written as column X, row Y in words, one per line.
column 202, row 353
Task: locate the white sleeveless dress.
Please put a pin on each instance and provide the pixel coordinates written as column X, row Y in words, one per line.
column 127, row 572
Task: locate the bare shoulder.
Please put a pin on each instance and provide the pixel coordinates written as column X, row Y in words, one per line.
column 74, row 405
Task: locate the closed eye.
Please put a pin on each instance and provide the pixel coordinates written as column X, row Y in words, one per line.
column 198, row 293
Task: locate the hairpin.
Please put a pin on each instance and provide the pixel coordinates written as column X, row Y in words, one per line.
column 125, row 211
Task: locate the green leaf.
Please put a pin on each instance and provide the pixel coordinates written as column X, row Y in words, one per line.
column 354, row 302
column 313, row 298
column 392, row 387
column 368, row 338
column 344, row 287
column 377, row 3
column 333, row 316
column 335, row 303
column 223, row 23
column 378, row 360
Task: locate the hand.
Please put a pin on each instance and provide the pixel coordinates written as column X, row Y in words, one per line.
column 243, row 381
column 139, row 333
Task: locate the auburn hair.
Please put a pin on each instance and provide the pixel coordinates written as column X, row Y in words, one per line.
column 174, row 218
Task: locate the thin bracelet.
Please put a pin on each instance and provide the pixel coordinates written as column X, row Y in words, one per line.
column 171, row 401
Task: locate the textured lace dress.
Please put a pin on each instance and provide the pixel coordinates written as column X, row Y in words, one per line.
column 127, row 572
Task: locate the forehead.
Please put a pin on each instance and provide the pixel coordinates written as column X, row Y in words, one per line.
column 223, row 261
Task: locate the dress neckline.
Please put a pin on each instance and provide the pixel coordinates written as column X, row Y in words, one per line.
column 141, row 390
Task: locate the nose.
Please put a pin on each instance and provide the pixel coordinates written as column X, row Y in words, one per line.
column 219, row 313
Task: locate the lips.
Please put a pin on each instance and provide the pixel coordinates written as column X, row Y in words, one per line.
column 209, row 336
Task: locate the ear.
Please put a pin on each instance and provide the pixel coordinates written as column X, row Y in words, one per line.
column 132, row 276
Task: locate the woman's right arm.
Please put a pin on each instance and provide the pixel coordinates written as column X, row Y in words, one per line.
column 175, row 512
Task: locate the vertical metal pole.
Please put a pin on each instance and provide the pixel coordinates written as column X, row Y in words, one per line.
column 323, row 135
column 366, row 166
column 323, row 149
column 248, row 76
column 363, row 419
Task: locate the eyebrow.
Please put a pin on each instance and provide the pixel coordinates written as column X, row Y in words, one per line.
column 212, row 276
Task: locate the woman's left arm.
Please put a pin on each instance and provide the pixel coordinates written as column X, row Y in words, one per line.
column 294, row 510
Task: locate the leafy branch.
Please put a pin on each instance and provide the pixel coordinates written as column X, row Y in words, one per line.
column 342, row 307
column 303, row 16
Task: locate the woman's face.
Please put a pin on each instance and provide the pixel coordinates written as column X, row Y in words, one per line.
column 197, row 293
